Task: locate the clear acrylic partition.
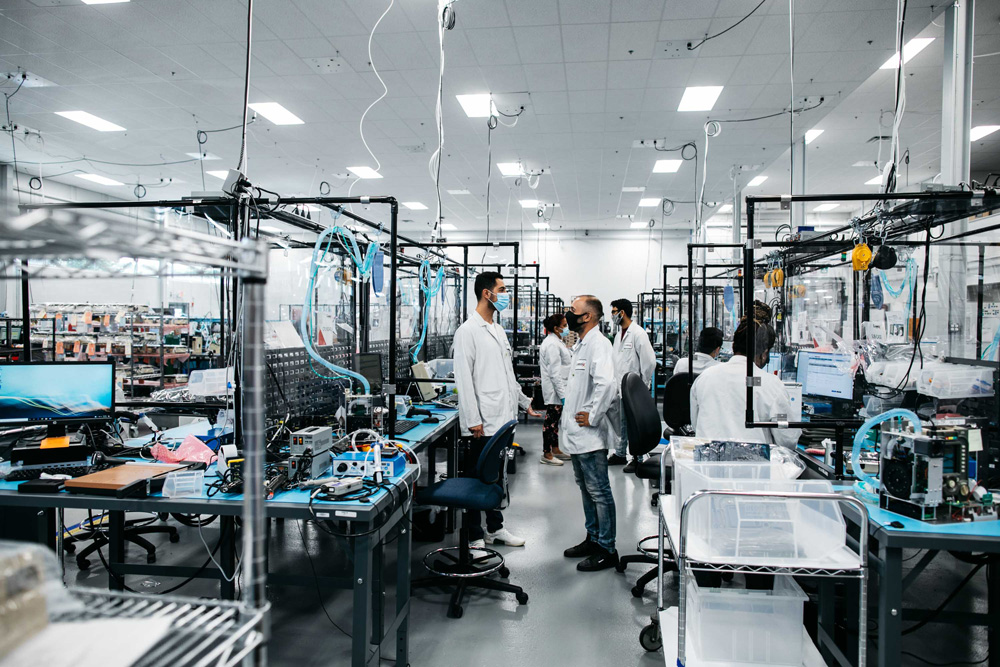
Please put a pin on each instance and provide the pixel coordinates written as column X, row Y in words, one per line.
column 817, row 306
column 408, row 300
column 332, row 320
column 445, row 313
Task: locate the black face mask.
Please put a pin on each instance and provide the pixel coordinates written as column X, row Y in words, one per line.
column 574, row 321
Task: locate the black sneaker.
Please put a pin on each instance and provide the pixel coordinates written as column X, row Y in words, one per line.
column 615, row 460
column 600, row 560
column 631, row 466
column 585, row 548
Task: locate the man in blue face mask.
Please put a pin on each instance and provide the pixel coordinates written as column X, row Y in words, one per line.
column 488, row 392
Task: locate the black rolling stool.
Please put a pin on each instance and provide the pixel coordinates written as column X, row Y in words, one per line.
column 471, row 567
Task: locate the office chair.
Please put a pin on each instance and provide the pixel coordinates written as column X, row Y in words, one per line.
column 643, row 425
column 134, row 530
column 483, row 492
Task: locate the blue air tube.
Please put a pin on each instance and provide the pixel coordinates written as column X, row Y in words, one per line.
column 364, row 266
column 431, row 290
column 864, row 479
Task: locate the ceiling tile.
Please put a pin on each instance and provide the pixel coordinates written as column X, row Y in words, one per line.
column 587, row 42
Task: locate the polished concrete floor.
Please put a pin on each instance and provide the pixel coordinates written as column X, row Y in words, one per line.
column 571, row 619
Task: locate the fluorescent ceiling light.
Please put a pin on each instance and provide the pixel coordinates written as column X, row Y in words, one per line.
column 725, row 208
column 528, row 203
column 203, row 156
column 825, row 207
column 864, row 163
column 276, row 113
column 981, row 131
column 666, row 166
column 221, row 173
column 102, row 2
column 270, row 229
column 414, row 206
column 639, row 225
column 459, row 192
column 633, row 188
column 875, row 181
column 510, row 168
column 540, row 225
column 646, row 202
column 910, row 49
column 97, row 178
column 812, row 134
column 90, row 120
column 479, row 105
column 448, row 227
column 756, row 180
column 364, row 172
column 699, row 98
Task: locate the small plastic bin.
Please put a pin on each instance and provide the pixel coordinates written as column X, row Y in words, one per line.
column 183, row 483
column 211, row 382
column 737, row 626
column 441, row 368
column 955, row 381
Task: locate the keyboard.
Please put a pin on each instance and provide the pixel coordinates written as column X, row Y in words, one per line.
column 24, row 474
column 404, row 425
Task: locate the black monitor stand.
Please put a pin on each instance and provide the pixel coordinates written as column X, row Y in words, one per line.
column 55, row 436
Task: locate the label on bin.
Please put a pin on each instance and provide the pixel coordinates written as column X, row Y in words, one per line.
column 348, row 515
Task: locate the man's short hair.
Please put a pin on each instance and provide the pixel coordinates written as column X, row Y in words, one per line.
column 623, row 305
column 554, row 320
column 486, row 280
column 593, row 304
column 710, row 340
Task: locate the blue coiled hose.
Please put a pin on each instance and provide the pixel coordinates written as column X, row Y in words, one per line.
column 430, row 289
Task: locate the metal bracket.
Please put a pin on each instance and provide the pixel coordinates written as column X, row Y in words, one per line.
column 366, row 200
column 786, row 202
column 753, row 381
column 754, row 244
column 388, row 389
column 782, row 424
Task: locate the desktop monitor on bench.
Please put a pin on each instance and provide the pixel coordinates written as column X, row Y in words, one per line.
column 369, row 364
column 822, row 374
column 55, row 394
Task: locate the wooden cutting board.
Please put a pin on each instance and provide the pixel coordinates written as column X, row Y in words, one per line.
column 119, row 477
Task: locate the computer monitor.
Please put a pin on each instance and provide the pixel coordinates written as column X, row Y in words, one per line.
column 425, row 389
column 823, row 374
column 774, row 363
column 369, row 364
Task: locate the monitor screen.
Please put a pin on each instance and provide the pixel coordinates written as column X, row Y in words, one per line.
column 823, row 374
column 774, row 363
column 425, row 389
column 56, row 392
column 370, row 366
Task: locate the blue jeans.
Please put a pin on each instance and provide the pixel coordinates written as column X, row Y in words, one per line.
column 591, row 471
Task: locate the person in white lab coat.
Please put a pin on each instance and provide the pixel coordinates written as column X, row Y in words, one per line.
column 709, row 346
column 488, row 392
column 633, row 353
column 586, row 432
column 718, row 396
column 553, row 360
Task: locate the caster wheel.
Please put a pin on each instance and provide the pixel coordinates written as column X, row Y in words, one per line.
column 175, row 537
column 504, row 573
column 150, row 559
column 162, row 516
column 637, row 592
column 455, row 612
column 83, row 564
column 69, row 548
column 620, row 567
column 522, row 598
column 650, row 638
column 655, row 501
column 727, row 576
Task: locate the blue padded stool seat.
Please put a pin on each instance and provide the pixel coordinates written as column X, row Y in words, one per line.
column 462, row 492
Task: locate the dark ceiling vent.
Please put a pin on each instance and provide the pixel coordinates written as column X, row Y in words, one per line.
column 879, row 137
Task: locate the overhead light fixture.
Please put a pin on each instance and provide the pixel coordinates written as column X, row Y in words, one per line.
column 459, row 192
column 980, row 131
column 822, row 208
column 699, row 98
column 90, row 120
column 875, row 181
column 414, row 206
column 203, row 156
column 510, row 168
column 647, row 202
column 725, row 208
column 540, row 225
column 639, row 225
column 364, row 172
column 864, row 163
column 667, row 166
column 276, row 113
column 479, row 105
column 634, row 188
column 756, row 180
column 103, row 2
column 910, row 49
column 97, row 178
column 528, row 203
column 270, row 229
column 812, row 134
column 221, row 173
column 448, row 227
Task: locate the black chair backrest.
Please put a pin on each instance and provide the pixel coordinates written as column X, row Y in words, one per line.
column 493, row 459
column 677, row 400
column 641, row 419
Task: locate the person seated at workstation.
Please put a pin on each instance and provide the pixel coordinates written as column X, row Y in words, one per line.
column 718, row 395
column 709, row 346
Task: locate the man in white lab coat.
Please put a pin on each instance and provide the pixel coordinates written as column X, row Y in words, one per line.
column 553, row 363
column 633, row 353
column 709, row 346
column 718, row 396
column 488, row 392
column 586, row 431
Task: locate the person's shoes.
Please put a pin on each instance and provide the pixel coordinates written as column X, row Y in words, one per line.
column 586, row 548
column 559, row 454
column 631, row 466
column 600, row 560
column 550, row 460
column 504, row 536
column 615, row 460
column 477, row 544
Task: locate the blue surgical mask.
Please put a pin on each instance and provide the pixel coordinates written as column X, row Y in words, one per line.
column 564, row 333
column 503, row 300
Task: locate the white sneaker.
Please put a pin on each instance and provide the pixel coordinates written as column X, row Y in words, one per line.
column 477, row 544
column 552, row 462
column 504, row 536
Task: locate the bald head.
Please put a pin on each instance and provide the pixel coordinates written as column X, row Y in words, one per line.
column 587, row 310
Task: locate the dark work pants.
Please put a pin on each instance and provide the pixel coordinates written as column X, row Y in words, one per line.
column 494, row 519
column 550, row 429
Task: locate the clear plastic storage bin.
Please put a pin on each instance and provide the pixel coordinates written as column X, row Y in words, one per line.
column 727, row 625
column 211, row 382
column 955, row 381
column 184, row 483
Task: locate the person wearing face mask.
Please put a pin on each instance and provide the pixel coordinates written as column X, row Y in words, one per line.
column 553, row 358
column 633, row 353
column 718, row 395
column 488, row 392
column 587, row 430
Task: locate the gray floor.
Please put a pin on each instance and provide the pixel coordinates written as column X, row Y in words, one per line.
column 571, row 618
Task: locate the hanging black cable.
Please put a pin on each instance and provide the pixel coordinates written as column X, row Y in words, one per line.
column 246, row 87
column 692, row 47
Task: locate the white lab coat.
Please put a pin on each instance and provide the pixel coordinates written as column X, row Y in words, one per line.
column 633, row 353
column 719, row 405
column 488, row 392
column 553, row 359
column 590, row 389
column 701, row 362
